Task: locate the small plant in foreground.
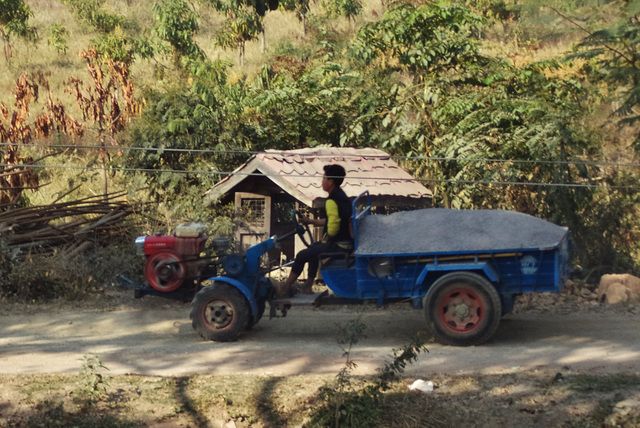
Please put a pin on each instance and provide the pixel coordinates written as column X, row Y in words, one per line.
column 346, row 405
column 93, row 385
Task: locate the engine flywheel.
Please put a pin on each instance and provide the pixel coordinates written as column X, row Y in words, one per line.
column 165, row 271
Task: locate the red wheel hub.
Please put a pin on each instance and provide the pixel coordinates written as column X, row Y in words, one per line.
column 218, row 314
column 165, row 271
column 461, row 310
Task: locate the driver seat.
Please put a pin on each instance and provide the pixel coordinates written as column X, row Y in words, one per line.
column 347, row 255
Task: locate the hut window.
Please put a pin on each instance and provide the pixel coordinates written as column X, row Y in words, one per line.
column 254, row 209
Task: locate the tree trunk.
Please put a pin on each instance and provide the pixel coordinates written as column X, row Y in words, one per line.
column 241, row 53
column 103, row 154
column 6, row 45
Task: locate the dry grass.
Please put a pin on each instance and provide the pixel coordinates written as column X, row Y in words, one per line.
column 133, row 400
column 279, row 26
column 528, row 399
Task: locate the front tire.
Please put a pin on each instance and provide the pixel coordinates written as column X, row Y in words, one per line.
column 220, row 312
column 462, row 309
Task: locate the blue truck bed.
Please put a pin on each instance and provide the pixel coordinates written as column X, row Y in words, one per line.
column 401, row 255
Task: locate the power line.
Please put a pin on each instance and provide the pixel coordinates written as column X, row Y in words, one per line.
column 286, row 153
column 295, row 175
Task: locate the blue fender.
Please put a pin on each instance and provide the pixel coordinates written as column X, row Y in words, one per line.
column 243, row 289
column 486, row 268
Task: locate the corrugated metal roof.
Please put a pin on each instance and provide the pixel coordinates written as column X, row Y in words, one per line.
column 299, row 173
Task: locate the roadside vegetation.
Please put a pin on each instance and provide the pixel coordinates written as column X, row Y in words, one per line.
column 93, row 398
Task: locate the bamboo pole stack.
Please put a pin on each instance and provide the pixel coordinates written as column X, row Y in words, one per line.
column 69, row 226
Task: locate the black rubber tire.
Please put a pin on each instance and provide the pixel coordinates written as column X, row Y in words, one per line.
column 462, row 309
column 220, row 312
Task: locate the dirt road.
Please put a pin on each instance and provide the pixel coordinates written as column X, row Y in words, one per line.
column 160, row 341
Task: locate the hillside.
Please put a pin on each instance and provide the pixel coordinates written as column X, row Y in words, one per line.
column 537, row 31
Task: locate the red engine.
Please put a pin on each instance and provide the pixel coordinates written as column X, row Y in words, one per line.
column 171, row 259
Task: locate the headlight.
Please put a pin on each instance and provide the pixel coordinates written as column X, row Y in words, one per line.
column 140, row 244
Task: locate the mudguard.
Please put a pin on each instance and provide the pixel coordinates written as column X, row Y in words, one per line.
column 243, row 289
column 484, row 267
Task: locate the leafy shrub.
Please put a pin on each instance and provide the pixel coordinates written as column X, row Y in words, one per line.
column 57, row 38
column 91, row 12
column 41, row 277
column 353, row 404
column 93, row 385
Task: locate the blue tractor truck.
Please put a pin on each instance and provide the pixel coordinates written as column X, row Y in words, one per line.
column 463, row 268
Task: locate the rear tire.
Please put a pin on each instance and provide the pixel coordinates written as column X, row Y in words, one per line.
column 462, row 309
column 220, row 312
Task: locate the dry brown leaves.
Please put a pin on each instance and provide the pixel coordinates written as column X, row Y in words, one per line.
column 111, row 106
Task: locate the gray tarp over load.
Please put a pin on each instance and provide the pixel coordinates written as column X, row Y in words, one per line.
column 447, row 231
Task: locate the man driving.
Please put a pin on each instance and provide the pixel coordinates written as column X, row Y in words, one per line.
column 336, row 235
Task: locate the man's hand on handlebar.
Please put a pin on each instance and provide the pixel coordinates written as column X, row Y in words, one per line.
column 313, row 221
column 302, row 227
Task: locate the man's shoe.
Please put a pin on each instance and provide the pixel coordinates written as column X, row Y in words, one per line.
column 283, row 292
column 304, row 288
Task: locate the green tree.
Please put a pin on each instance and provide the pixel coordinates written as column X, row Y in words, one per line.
column 412, row 57
column 118, row 38
column 176, row 23
column 616, row 55
column 313, row 109
column 181, row 121
column 14, row 17
column 91, row 12
column 260, row 7
column 57, row 38
column 350, row 9
column 301, row 8
column 244, row 22
column 119, row 47
column 242, row 25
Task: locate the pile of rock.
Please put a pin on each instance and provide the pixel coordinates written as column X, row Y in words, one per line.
column 625, row 413
column 618, row 288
